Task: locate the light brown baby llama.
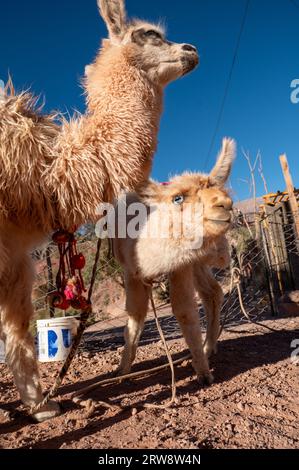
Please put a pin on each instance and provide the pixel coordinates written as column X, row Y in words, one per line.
column 56, row 175
column 187, row 257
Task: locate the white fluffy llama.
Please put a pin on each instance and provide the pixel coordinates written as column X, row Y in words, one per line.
column 55, row 176
column 188, row 264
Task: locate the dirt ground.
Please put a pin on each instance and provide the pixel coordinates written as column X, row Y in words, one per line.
column 252, row 404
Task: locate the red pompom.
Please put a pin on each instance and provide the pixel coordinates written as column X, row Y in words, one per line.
column 57, row 300
column 63, row 305
column 79, row 304
column 78, row 261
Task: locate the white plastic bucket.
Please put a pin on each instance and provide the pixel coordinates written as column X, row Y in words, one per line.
column 55, row 337
column 2, row 352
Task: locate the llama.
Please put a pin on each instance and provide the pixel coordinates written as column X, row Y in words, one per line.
column 55, row 175
column 147, row 256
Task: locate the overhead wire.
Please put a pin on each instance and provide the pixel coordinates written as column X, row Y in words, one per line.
column 227, row 87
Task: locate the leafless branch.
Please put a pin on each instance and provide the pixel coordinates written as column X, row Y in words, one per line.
column 261, row 172
column 252, row 168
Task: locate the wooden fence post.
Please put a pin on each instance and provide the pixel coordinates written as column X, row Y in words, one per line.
column 290, row 189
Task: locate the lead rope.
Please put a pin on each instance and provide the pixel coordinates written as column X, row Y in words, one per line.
column 168, row 354
column 85, row 314
column 76, row 396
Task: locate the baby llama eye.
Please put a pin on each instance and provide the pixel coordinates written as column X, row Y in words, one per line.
column 178, row 200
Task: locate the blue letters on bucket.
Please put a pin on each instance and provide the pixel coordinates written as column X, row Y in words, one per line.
column 66, row 336
column 52, row 343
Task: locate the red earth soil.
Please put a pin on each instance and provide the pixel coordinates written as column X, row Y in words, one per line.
column 252, row 404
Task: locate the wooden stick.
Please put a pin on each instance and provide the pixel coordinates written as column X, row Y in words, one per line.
column 85, row 314
column 290, row 189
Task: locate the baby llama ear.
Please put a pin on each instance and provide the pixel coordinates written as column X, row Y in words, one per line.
column 222, row 169
column 114, row 14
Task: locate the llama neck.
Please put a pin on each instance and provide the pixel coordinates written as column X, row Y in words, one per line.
column 114, row 78
column 111, row 148
column 124, row 108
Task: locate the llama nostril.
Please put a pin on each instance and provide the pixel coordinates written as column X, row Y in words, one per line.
column 189, row 48
column 227, row 205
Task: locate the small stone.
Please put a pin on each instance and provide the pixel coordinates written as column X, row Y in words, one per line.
column 134, row 411
column 240, row 406
column 229, row 427
column 4, row 417
column 166, row 416
column 86, row 355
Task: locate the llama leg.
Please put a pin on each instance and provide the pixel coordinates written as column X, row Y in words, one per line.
column 20, row 351
column 212, row 299
column 186, row 312
column 136, row 306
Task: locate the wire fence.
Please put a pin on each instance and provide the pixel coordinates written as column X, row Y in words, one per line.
column 267, row 267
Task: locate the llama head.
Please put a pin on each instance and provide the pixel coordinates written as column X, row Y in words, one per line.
column 199, row 202
column 145, row 45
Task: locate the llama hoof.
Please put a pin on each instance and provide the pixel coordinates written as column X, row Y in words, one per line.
column 205, row 378
column 117, row 373
column 51, row 410
column 120, row 371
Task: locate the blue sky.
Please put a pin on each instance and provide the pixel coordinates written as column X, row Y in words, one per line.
column 45, row 45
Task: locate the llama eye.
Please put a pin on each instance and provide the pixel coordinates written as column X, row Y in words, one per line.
column 178, row 200
column 153, row 34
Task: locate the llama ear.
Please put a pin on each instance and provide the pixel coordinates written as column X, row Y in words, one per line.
column 88, row 70
column 222, row 169
column 114, row 14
